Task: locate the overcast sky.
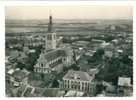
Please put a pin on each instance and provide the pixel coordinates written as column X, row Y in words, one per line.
column 69, row 12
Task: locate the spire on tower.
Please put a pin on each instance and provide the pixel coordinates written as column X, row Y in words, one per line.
column 50, row 23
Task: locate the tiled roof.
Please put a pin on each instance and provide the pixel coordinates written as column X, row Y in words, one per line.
column 78, row 75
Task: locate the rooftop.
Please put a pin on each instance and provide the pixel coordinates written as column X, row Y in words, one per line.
column 20, row 74
column 124, row 81
column 11, row 71
column 49, row 56
column 108, row 53
column 14, row 54
column 93, row 71
column 32, row 51
column 78, row 75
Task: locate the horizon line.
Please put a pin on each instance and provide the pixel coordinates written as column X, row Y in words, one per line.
column 71, row 19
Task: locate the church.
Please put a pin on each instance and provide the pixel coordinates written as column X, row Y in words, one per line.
column 53, row 58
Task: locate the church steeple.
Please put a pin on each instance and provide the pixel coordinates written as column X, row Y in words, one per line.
column 51, row 38
column 50, row 24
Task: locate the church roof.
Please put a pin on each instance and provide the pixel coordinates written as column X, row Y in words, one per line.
column 54, row 54
column 51, row 55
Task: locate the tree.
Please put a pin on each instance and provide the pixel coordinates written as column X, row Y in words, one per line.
column 42, row 76
column 99, row 52
column 32, row 58
column 55, row 83
column 20, row 65
column 97, row 56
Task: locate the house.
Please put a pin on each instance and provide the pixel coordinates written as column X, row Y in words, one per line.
column 108, row 54
column 13, row 55
column 110, row 89
column 125, row 87
column 32, row 51
column 17, row 77
column 20, row 77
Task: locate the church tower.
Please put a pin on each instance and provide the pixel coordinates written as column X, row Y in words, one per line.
column 51, row 38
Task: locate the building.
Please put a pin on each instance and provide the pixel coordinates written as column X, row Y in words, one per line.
column 17, row 77
column 34, row 41
column 108, row 54
column 52, row 58
column 79, row 81
column 124, row 86
column 14, row 54
column 110, row 90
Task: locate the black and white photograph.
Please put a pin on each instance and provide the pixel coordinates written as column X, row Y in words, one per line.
column 69, row 51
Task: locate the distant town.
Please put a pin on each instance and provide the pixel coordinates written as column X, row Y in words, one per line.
column 69, row 58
